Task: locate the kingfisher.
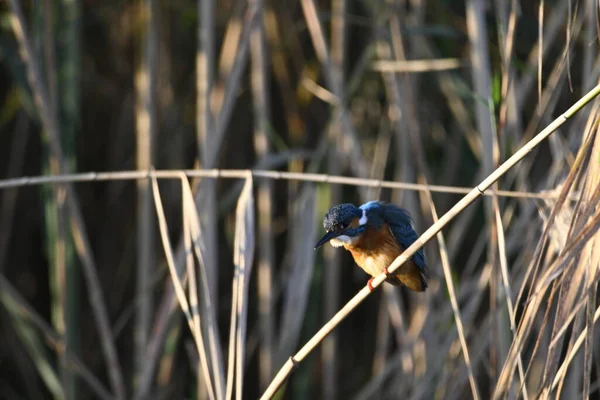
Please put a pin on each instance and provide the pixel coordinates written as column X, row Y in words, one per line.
column 375, row 234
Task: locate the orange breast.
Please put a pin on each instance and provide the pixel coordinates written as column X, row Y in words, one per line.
column 376, row 250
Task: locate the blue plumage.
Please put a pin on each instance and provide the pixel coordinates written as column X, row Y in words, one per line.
column 401, row 225
column 376, row 233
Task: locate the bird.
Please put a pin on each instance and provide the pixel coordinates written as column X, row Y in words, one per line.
column 375, row 234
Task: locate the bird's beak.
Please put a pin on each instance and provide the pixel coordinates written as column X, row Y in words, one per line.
column 327, row 237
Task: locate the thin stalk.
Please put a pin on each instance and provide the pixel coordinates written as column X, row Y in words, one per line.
column 179, row 288
column 507, row 288
column 480, row 67
column 243, row 257
column 331, row 283
column 209, row 310
column 67, row 102
column 205, row 62
column 265, row 174
column 55, row 212
column 348, row 143
column 146, row 131
column 454, row 303
column 592, row 262
column 266, row 262
column 59, row 165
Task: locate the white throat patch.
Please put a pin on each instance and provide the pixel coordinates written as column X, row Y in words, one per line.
column 340, row 241
column 363, row 219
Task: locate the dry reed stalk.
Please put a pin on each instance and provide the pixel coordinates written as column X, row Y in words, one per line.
column 331, row 295
column 568, row 282
column 426, row 236
column 550, row 29
column 583, row 273
column 229, row 50
column 400, row 94
column 590, row 52
column 232, row 85
column 219, row 128
column 570, row 254
column 481, row 75
column 419, row 65
column 551, row 274
column 58, row 165
column 266, row 262
column 209, row 309
column 208, row 144
column 146, row 132
column 454, row 303
column 332, row 278
column 243, row 258
column 540, row 52
column 561, row 373
column 349, row 146
column 265, row 174
column 574, row 175
column 179, row 289
column 593, row 262
column 191, row 271
column 507, row 289
column 62, row 269
column 548, row 95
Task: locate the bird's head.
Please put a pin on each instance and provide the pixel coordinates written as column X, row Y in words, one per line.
column 343, row 223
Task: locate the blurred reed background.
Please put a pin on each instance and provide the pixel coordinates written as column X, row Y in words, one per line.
column 201, row 288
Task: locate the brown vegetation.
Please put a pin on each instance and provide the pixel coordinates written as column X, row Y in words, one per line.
column 203, row 283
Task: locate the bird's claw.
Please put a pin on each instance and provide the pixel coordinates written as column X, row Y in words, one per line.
column 386, row 272
column 370, row 284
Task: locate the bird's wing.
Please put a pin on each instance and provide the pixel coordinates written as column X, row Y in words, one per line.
column 401, row 226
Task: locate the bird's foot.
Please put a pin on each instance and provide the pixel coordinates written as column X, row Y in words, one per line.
column 386, row 272
column 370, row 284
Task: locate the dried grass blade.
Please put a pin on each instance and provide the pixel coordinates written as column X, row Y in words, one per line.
column 189, row 261
column 259, row 77
column 453, row 301
column 591, row 272
column 177, row 284
column 208, row 311
column 146, row 132
column 571, row 278
column 565, row 365
column 571, row 251
column 243, row 258
column 507, row 288
column 570, row 180
column 540, row 51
